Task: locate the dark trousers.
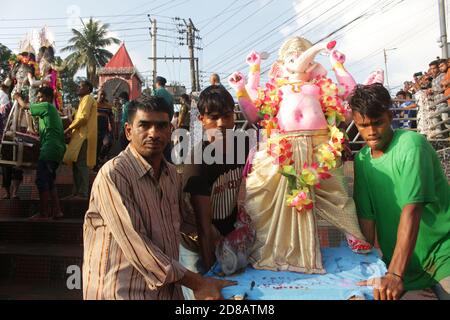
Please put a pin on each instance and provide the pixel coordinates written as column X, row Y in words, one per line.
column 46, row 175
column 80, row 172
column 9, row 174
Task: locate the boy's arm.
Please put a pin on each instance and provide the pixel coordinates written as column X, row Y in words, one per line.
column 203, row 217
column 368, row 229
column 407, row 232
column 390, row 287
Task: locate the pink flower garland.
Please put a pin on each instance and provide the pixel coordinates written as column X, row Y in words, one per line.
column 328, row 154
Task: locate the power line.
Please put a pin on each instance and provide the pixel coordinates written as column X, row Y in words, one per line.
column 83, row 17
column 274, row 46
column 239, row 23
column 228, row 17
column 339, row 28
column 406, row 36
column 335, row 16
column 375, row 52
column 146, row 4
column 260, row 39
column 208, row 21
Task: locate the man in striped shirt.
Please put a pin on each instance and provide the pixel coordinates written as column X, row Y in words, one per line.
column 132, row 226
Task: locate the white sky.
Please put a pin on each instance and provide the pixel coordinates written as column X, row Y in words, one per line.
column 232, row 28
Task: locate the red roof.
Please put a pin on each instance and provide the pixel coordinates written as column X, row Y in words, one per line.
column 121, row 59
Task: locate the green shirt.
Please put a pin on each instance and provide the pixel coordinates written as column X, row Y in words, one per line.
column 163, row 93
column 51, row 131
column 409, row 172
column 125, row 107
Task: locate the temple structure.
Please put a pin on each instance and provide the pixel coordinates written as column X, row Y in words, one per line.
column 119, row 75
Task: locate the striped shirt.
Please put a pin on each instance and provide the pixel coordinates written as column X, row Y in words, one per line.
column 220, row 181
column 132, row 232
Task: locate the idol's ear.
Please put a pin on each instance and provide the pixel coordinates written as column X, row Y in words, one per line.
column 376, row 76
column 276, row 71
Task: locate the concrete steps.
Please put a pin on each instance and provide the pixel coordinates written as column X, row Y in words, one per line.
column 72, row 209
column 35, row 255
column 42, row 262
column 36, row 290
column 18, row 230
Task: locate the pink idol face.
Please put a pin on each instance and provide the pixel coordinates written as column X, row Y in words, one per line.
column 292, row 65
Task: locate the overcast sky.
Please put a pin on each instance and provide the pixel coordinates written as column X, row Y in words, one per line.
column 232, row 28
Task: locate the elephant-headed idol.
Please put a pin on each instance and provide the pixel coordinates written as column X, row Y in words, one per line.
column 296, row 176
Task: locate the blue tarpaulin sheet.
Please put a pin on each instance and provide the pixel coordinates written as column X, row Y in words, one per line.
column 344, row 269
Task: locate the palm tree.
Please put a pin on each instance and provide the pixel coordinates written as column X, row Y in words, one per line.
column 87, row 47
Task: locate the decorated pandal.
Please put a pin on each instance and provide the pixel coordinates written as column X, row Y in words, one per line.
column 20, row 142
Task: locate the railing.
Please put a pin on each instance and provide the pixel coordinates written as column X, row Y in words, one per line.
column 356, row 140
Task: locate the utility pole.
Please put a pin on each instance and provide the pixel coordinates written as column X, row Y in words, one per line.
column 443, row 27
column 386, row 68
column 153, row 32
column 190, row 31
column 197, row 74
column 191, row 43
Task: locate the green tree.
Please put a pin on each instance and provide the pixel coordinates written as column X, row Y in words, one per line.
column 88, row 49
column 5, row 55
column 68, row 83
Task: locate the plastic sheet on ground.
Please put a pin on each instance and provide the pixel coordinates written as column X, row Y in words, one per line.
column 344, row 269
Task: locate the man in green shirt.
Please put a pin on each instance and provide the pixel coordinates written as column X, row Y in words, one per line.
column 162, row 92
column 52, row 151
column 403, row 200
column 124, row 99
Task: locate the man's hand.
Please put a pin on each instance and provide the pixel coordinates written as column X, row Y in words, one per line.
column 210, row 289
column 389, row 287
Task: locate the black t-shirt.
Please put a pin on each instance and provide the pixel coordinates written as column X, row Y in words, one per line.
column 221, row 183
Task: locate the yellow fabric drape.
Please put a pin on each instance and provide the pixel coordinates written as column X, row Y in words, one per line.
column 286, row 239
column 84, row 127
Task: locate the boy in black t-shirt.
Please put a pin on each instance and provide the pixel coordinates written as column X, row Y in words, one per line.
column 212, row 184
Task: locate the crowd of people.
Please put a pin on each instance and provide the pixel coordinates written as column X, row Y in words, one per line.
column 422, row 97
column 95, row 135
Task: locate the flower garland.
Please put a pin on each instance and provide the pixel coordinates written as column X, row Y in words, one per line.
column 56, row 84
column 25, row 60
column 268, row 104
column 328, row 154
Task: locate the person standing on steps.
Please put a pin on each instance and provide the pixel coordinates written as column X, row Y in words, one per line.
column 51, row 134
column 81, row 153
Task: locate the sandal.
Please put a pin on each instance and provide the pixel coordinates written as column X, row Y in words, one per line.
column 38, row 217
column 59, row 216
